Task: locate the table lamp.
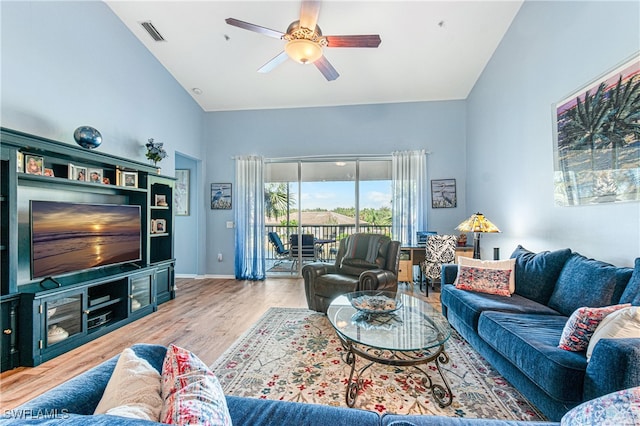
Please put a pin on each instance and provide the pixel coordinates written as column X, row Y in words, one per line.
column 477, row 224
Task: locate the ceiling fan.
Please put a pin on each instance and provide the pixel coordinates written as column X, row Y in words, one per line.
column 305, row 40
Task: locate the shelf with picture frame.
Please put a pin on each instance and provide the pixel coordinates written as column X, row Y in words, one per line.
column 55, row 179
column 161, row 218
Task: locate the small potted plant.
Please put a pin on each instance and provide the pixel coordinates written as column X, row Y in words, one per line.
column 155, row 151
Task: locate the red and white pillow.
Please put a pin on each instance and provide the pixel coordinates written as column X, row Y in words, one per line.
column 581, row 324
column 186, row 392
column 623, row 323
column 191, row 392
column 486, row 276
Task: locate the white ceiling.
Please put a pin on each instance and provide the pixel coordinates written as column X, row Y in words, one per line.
column 430, row 50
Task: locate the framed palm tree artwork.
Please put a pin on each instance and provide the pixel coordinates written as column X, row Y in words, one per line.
column 597, row 140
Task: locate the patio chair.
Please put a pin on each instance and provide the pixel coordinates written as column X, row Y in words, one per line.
column 303, row 249
column 280, row 251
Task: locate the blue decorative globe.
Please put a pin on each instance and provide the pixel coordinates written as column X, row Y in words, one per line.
column 87, row 137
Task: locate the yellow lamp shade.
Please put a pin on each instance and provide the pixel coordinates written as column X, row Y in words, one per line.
column 477, row 223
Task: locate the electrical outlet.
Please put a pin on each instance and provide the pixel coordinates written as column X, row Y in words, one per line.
column 219, row 257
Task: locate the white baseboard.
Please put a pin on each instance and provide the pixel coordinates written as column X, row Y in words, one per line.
column 206, row 276
column 192, row 276
column 218, row 277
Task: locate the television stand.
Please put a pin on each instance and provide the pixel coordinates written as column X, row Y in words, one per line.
column 43, row 318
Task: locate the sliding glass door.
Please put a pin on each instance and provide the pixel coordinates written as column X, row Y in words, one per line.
column 312, row 204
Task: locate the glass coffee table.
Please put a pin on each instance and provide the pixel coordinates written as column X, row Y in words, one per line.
column 407, row 332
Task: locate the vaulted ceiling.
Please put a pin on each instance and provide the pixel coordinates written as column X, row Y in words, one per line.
column 430, row 50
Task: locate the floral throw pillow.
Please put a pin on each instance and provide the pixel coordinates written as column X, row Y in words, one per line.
column 484, row 280
column 581, row 324
column 617, row 408
column 191, row 392
column 505, row 265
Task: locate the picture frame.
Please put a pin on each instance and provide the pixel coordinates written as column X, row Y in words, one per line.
column 19, row 162
column 595, row 153
column 33, row 164
column 443, row 194
column 221, row 196
column 77, row 173
column 129, row 179
column 160, row 200
column 95, row 175
column 158, row 226
column 181, row 193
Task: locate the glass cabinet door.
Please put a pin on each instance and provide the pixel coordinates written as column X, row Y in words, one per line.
column 140, row 295
column 63, row 318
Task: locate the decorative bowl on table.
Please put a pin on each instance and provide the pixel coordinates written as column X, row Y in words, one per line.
column 375, row 302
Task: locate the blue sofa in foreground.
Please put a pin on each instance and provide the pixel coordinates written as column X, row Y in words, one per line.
column 519, row 335
column 73, row 403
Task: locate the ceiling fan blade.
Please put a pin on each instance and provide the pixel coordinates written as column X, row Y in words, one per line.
column 274, row 62
column 326, row 68
column 309, row 12
column 252, row 27
column 371, row 40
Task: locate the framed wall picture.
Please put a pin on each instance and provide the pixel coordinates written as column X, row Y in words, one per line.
column 181, row 194
column 443, row 194
column 33, row 164
column 596, row 140
column 221, row 196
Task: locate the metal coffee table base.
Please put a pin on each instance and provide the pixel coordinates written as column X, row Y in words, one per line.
column 442, row 394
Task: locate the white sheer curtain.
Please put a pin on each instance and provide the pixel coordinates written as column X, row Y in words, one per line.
column 250, row 252
column 409, row 204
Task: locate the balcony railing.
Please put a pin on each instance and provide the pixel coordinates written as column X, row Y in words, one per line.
column 333, row 233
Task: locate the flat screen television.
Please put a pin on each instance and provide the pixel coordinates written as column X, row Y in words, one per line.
column 72, row 237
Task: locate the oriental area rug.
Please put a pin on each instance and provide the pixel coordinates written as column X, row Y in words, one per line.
column 295, row 355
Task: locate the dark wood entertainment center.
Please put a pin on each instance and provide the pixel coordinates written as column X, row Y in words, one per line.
column 43, row 318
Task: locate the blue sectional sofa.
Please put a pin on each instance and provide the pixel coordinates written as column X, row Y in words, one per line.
column 73, row 403
column 519, row 335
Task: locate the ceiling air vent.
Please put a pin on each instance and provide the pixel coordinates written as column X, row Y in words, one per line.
column 153, row 32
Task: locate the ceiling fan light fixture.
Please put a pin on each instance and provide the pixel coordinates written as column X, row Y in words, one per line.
column 303, row 51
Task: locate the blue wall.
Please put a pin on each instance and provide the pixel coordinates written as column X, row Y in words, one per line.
column 551, row 50
column 437, row 127
column 65, row 64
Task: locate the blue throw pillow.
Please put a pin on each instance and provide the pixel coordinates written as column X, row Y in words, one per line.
column 632, row 291
column 537, row 273
column 588, row 282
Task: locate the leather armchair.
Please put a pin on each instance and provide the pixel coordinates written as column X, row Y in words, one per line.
column 363, row 262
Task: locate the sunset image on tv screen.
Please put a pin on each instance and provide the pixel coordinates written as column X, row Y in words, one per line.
column 68, row 237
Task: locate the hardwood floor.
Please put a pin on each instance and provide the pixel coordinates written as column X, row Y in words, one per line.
column 206, row 317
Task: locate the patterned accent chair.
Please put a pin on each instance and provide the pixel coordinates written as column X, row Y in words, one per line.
column 363, row 262
column 441, row 249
